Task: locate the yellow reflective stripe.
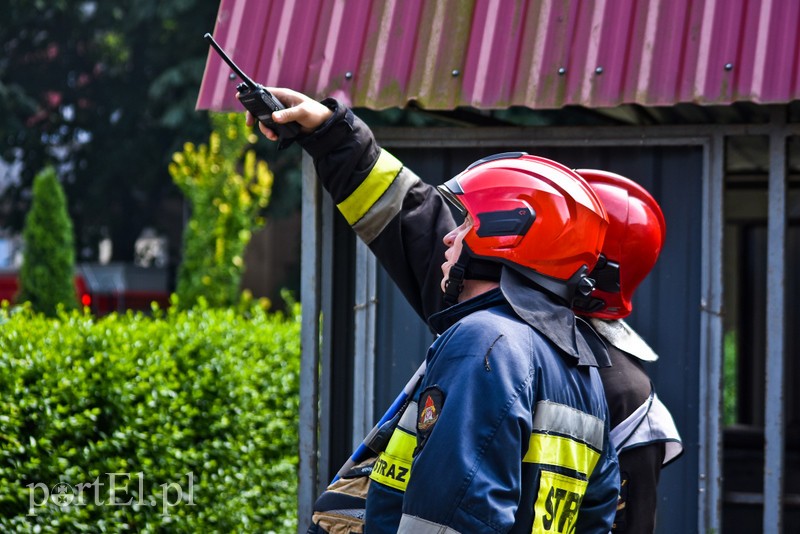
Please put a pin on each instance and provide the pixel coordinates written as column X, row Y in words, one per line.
column 549, row 449
column 557, row 503
column 385, row 208
column 402, row 444
column 393, row 466
column 374, row 185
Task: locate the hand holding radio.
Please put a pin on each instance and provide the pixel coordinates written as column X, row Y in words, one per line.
column 257, row 99
column 300, row 109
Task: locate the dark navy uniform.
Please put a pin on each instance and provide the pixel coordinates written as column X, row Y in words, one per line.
column 643, row 432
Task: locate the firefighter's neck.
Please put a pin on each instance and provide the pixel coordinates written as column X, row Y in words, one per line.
column 473, row 288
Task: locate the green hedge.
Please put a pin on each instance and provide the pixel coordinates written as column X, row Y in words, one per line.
column 196, row 408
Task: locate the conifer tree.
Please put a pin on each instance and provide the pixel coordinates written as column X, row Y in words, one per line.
column 48, row 263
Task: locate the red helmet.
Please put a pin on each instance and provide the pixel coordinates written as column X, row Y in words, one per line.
column 532, row 214
column 636, row 233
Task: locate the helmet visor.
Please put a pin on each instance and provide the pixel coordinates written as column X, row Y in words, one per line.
column 451, row 190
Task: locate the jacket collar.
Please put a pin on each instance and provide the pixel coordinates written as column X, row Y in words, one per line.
column 572, row 335
column 446, row 318
column 617, row 333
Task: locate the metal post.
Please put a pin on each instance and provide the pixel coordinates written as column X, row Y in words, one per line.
column 308, row 473
column 325, row 250
column 774, row 430
column 711, row 339
column 364, row 357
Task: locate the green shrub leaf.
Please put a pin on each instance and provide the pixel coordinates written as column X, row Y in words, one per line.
column 192, row 415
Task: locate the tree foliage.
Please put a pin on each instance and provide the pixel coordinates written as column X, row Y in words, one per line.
column 228, row 188
column 105, row 91
column 48, row 265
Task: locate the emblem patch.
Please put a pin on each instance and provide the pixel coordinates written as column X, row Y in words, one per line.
column 430, row 407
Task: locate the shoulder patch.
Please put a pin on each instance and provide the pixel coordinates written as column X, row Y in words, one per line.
column 429, row 409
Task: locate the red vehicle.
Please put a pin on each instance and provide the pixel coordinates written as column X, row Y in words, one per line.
column 107, row 288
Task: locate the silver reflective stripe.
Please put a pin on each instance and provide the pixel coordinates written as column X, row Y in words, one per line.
column 385, row 208
column 650, row 423
column 622, row 433
column 410, row 524
column 408, row 421
column 551, row 417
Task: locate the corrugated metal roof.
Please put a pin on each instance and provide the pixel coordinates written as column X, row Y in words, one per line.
column 490, row 54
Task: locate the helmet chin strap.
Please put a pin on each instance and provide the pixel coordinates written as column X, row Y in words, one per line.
column 454, row 284
column 468, row 267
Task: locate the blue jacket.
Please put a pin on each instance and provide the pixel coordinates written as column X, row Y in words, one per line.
column 513, row 437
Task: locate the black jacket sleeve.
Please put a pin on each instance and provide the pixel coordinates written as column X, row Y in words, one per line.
column 398, row 215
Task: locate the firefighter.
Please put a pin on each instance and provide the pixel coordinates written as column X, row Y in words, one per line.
column 511, row 421
column 642, row 430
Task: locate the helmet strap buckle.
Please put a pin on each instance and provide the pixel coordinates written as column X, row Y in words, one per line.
column 454, row 284
column 452, row 289
column 585, row 286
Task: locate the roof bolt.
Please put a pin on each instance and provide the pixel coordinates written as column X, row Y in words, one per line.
column 455, row 73
column 348, row 75
column 562, row 71
column 728, row 66
column 231, row 76
column 598, row 70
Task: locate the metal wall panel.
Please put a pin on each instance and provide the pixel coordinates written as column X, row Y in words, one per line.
column 492, row 54
column 678, row 309
column 401, row 339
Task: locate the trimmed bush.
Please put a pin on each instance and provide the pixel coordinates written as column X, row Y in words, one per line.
column 48, row 261
column 195, row 409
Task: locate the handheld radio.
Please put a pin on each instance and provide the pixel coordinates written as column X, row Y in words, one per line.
column 256, row 99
